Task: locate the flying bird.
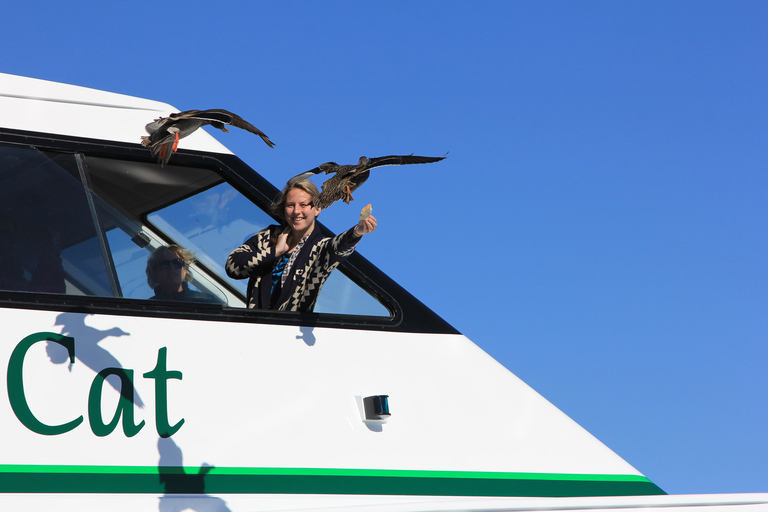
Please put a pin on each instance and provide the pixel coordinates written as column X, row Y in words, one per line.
column 347, row 178
column 165, row 132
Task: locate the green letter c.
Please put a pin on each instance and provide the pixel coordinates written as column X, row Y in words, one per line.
column 16, row 383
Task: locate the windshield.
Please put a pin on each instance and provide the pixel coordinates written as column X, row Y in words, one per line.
column 82, row 225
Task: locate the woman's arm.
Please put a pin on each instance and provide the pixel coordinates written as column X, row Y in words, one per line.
column 255, row 257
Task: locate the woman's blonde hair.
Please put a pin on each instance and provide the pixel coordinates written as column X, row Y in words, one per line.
column 278, row 207
column 185, row 255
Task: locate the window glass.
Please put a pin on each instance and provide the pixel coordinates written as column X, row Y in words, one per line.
column 212, row 224
column 59, row 236
column 220, row 219
column 49, row 241
column 124, row 192
column 130, row 264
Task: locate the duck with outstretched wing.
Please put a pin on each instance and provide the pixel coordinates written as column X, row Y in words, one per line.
column 165, row 132
column 347, row 178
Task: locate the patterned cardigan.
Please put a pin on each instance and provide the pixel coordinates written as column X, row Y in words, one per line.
column 314, row 263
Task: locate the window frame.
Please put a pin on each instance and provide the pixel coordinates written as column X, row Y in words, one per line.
column 408, row 314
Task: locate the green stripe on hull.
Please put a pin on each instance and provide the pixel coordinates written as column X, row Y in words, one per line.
column 178, row 480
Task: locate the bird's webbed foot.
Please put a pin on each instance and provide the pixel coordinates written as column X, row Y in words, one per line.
column 348, row 196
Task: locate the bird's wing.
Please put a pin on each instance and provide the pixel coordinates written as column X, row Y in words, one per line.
column 156, row 140
column 155, row 125
column 391, row 160
column 179, row 116
column 401, row 160
column 213, row 116
column 303, row 176
column 358, row 179
column 327, row 168
column 162, row 122
column 158, row 129
column 165, row 155
column 352, row 176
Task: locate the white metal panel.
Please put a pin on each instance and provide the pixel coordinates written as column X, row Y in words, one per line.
column 49, row 107
column 256, row 395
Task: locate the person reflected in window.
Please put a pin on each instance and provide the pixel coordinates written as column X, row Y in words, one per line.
column 169, row 276
column 287, row 265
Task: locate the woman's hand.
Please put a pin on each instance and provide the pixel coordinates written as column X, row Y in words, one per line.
column 365, row 226
column 281, row 246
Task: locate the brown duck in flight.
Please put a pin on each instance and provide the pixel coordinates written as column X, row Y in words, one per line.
column 347, row 178
column 165, row 132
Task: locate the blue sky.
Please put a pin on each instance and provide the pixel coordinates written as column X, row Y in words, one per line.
column 599, row 226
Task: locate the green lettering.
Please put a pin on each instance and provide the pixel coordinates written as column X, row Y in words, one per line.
column 124, row 405
column 16, row 383
column 161, row 376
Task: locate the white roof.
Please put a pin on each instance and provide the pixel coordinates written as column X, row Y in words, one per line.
column 50, row 107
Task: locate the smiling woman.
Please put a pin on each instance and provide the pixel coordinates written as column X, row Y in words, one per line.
column 212, row 223
column 287, row 266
